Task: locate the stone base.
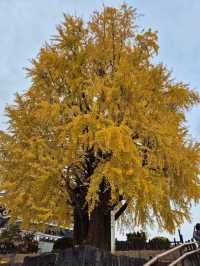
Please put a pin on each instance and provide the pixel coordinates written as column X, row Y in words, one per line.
column 84, row 256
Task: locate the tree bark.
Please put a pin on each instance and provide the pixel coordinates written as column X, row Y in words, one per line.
column 81, row 224
column 81, row 216
column 96, row 229
column 99, row 234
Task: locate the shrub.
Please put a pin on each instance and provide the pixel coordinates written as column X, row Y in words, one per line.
column 28, row 245
column 62, row 243
column 11, row 233
column 12, row 239
column 136, row 240
column 159, row 242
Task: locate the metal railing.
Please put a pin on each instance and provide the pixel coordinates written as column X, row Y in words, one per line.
column 191, row 246
column 184, row 256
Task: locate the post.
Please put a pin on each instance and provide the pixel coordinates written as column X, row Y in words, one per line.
column 112, row 231
column 180, row 236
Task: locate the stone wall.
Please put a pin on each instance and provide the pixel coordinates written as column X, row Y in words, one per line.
column 46, row 259
column 84, row 256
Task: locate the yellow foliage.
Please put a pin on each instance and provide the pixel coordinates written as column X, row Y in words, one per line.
column 94, row 88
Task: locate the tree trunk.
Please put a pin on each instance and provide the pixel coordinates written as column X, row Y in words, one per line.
column 99, row 234
column 81, row 216
column 96, row 230
column 81, row 224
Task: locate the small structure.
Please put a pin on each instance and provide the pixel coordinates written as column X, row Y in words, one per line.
column 46, row 240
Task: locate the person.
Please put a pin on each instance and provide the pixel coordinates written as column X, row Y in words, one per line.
column 196, row 232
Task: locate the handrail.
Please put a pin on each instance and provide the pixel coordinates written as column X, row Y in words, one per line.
column 184, row 256
column 153, row 260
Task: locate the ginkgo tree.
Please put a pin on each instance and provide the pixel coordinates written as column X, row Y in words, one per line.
column 101, row 128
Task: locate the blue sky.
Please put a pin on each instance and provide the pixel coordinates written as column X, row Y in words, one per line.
column 26, row 24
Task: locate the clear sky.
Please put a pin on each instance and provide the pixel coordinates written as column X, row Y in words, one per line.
column 26, row 24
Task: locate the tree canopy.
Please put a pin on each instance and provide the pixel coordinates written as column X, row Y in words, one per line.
column 99, row 108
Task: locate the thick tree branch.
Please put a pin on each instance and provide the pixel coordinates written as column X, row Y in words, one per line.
column 121, row 210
